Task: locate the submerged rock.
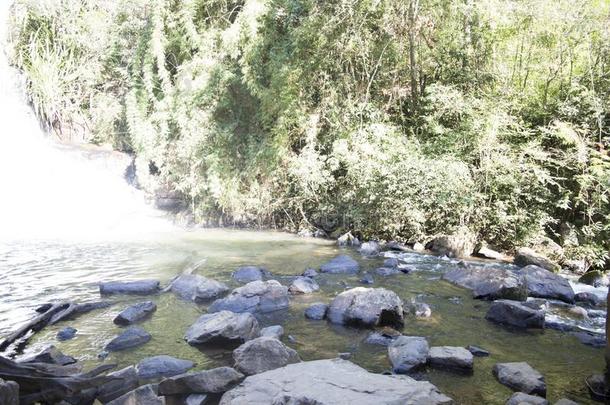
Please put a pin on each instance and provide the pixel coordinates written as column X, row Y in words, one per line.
column 257, row 296
column 383, row 337
column 450, row 357
column 520, row 398
column 50, row 355
column 198, row 288
column 162, row 366
column 516, row 314
column 9, row 392
column 488, row 283
column 526, row 256
column 541, row 283
column 408, row 353
column 214, row 381
column 591, row 339
column 367, row 279
column 390, row 262
column 66, row 333
column 141, row 396
column 303, row 285
column 366, row 307
column 316, row 311
column 125, row 381
column 331, row 382
column 520, row 377
column 370, row 249
column 247, row 274
column 341, row 264
column 135, row 313
column 263, row 354
column 132, row 337
column 141, row 287
column 309, row 273
column 387, row 271
column 224, row 327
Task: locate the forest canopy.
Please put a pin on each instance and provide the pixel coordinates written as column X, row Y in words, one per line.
column 398, row 119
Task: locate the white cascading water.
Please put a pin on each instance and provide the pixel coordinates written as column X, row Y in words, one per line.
column 50, row 190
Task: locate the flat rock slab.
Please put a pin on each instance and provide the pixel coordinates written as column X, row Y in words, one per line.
column 214, row 381
column 127, row 380
column 520, row 398
column 135, row 313
column 141, row 287
column 257, row 296
column 488, row 283
column 341, row 264
column 141, row 396
column 247, row 274
column 263, row 354
column 520, row 377
column 303, row 285
column 452, row 357
column 162, row 366
column 331, row 382
column 9, row 392
column 366, row 307
column 542, row 283
column 194, row 287
column 274, row 331
column 316, row 311
column 408, row 353
column 130, row 338
column 224, row 327
column 515, row 313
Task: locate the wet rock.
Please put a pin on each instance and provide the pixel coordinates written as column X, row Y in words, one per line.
column 590, row 299
column 408, row 353
column 383, row 337
column 520, row 398
column 275, row 331
column 197, row 288
column 126, row 380
column 366, row 307
column 197, row 399
column 132, row 337
column 303, row 285
column 542, row 283
column 526, row 256
column 135, row 313
column 451, row 357
column 538, row 304
column 50, row 355
column 487, row 283
column 367, row 279
column 222, row 327
column 162, row 366
column 316, row 311
column 520, row 377
column 390, row 262
column 370, row 249
column 516, row 314
column 141, row 396
column 9, row 392
column 141, row 287
column 214, row 381
column 591, row 339
column 556, row 323
column 387, row 271
column 460, row 244
column 595, row 278
column 341, row 264
column 257, row 296
column 326, row 382
column 477, row 351
column 310, row 273
column 66, row 333
column 263, row 354
column 348, row 239
column 578, row 312
column 247, row 274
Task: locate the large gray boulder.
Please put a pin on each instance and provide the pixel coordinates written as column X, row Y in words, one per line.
column 488, row 283
column 197, row 288
column 520, row 377
column 257, row 296
column 9, row 392
column 542, row 283
column 331, row 382
column 263, row 354
column 451, row 357
column 408, row 353
column 247, row 274
column 141, row 396
column 303, row 285
column 162, row 366
column 135, row 313
column 526, row 256
column 132, row 337
column 224, row 327
column 520, row 398
column 123, row 381
column 515, row 313
column 141, row 287
column 214, row 381
column 459, row 244
column 370, row 249
column 366, row 307
column 341, row 264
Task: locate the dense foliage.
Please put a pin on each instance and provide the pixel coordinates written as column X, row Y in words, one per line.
column 396, row 118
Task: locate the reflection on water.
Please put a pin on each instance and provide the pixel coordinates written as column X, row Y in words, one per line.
column 36, row 272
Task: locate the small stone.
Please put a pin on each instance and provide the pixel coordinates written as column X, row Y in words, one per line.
column 408, row 353
column 303, row 285
column 520, row 377
column 390, row 262
column 66, row 333
column 422, row 310
column 310, row 273
column 348, row 239
column 367, row 279
column 316, row 311
column 135, row 313
column 370, row 249
column 341, row 264
column 345, row 355
column 263, row 354
column 450, row 357
column 275, row 331
column 130, row 338
column 477, row 351
column 387, row 271
column 385, row 337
